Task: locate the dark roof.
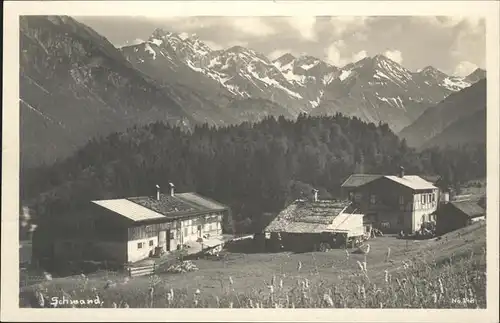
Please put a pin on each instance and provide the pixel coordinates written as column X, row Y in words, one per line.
column 179, row 203
column 356, row 180
column 471, row 208
column 307, row 216
column 144, row 208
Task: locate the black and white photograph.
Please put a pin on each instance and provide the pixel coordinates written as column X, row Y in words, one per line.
column 170, row 160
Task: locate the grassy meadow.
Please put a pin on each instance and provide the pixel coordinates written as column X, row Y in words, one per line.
column 445, row 273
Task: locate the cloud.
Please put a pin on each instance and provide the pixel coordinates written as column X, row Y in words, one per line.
column 253, row 26
column 213, row 45
column 304, row 25
column 359, row 56
column 395, row 55
column 237, row 43
column 217, row 46
column 335, row 57
column 464, row 68
column 473, row 22
column 360, row 36
column 277, row 53
column 340, row 43
column 343, row 24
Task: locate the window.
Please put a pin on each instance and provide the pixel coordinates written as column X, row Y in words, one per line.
column 401, row 200
column 140, row 245
column 373, row 199
column 422, row 200
column 358, row 197
column 151, row 243
column 186, row 232
column 172, row 234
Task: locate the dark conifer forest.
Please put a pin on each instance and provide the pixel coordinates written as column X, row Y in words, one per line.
column 254, row 168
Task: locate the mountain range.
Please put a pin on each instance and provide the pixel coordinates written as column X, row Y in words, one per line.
column 374, row 89
column 458, row 119
column 75, row 85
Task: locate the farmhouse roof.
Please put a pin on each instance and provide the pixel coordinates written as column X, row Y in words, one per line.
column 145, row 208
column 412, row 181
column 471, row 208
column 309, row 216
column 356, row 180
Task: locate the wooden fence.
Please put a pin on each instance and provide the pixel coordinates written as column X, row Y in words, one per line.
column 141, row 270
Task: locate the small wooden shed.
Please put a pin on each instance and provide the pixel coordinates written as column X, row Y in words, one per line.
column 458, row 214
column 304, row 225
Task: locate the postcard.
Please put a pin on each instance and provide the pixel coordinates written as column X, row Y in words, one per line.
column 250, row 161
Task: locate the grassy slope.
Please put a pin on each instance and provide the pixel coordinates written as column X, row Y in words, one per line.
column 321, row 278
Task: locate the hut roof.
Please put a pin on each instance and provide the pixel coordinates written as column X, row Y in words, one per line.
column 471, row 208
column 308, row 216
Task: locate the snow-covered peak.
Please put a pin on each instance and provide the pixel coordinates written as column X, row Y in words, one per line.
column 239, row 49
column 454, row 83
column 344, row 74
column 306, row 62
column 382, row 70
column 160, row 33
column 187, row 50
column 163, row 38
column 430, row 71
column 284, row 60
column 379, row 58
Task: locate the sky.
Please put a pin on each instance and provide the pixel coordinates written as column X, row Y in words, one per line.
column 455, row 45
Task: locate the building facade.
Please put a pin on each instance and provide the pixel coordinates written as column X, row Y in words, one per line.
column 393, row 203
column 131, row 229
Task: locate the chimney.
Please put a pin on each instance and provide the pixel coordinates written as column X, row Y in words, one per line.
column 157, row 192
column 315, row 194
column 401, row 171
column 171, row 189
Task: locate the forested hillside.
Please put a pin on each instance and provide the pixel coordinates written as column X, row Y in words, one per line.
column 254, row 168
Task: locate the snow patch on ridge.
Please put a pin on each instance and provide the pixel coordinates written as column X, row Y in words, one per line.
column 149, row 49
